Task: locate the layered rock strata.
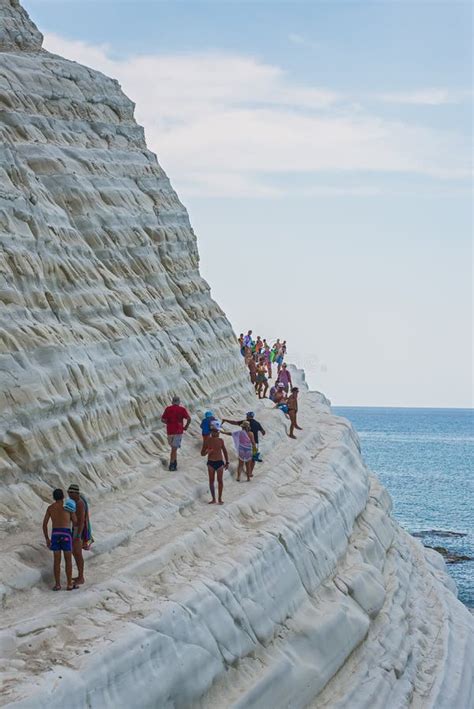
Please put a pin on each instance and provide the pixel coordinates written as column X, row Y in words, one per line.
column 301, row 591
column 103, row 312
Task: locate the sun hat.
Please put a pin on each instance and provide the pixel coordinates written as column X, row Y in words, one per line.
column 216, row 425
column 73, row 488
column 208, row 414
column 70, row 505
column 250, row 414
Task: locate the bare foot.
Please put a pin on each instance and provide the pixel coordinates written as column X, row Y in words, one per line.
column 79, row 580
column 291, row 436
column 211, row 502
column 248, row 479
column 72, row 587
column 238, row 479
column 299, row 428
column 221, row 502
column 56, row 588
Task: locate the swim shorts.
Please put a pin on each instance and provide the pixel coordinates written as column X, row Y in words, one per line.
column 216, row 464
column 175, row 440
column 61, row 539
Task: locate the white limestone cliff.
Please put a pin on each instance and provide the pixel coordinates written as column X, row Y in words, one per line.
column 301, row 591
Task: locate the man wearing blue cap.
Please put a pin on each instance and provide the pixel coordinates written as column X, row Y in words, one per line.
column 206, row 428
column 256, row 428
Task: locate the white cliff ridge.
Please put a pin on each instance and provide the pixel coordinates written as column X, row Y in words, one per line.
column 301, row 591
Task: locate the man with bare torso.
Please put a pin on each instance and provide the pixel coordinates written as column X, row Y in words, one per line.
column 62, row 517
column 292, row 403
column 217, row 462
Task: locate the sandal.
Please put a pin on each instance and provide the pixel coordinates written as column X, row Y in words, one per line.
column 56, row 588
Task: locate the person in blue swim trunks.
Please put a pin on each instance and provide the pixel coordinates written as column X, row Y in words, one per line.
column 217, row 462
column 62, row 515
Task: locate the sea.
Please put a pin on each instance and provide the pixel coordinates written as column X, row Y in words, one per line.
column 424, row 457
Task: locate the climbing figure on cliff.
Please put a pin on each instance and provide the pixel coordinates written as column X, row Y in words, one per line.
column 261, row 381
column 267, row 359
column 284, row 377
column 248, row 342
column 292, row 404
column 206, row 424
column 174, row 417
column 63, row 516
column 279, row 358
column 244, row 444
column 217, row 462
column 82, row 532
column 251, row 364
column 256, row 428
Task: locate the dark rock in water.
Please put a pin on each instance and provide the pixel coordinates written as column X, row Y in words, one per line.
column 438, row 533
column 450, row 557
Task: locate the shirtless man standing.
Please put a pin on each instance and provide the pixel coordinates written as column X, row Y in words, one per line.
column 61, row 538
column 292, row 404
column 217, row 462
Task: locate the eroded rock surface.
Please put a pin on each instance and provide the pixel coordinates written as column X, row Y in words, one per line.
column 301, row 590
column 103, row 312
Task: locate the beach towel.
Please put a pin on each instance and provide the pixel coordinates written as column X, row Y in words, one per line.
column 243, row 445
column 87, row 538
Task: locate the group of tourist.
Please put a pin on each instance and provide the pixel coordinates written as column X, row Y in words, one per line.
column 260, row 359
column 71, row 529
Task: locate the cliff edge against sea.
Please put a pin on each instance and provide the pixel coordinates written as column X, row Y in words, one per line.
column 301, row 591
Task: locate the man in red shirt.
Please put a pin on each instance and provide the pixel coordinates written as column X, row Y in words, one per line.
column 173, row 417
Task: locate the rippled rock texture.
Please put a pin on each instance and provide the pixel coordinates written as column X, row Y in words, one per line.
column 103, row 313
column 301, row 591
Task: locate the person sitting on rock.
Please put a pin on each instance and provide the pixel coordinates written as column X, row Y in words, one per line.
column 62, row 516
column 174, row 417
column 217, row 461
column 279, row 395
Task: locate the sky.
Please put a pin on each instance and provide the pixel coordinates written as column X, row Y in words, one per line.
column 324, row 153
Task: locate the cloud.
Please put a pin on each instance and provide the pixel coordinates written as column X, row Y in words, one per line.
column 226, row 124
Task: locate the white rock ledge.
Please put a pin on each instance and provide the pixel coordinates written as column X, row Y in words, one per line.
column 300, row 591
